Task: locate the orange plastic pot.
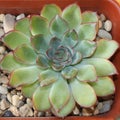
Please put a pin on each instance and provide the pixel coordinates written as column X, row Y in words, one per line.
column 108, row 7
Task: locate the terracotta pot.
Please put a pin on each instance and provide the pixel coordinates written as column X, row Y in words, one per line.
column 109, row 7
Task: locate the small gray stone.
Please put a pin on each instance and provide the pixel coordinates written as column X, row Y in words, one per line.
column 8, row 22
column 25, row 111
column 2, row 17
column 76, row 111
column 2, row 49
column 15, row 100
column 108, row 25
column 14, row 110
column 102, row 17
column 22, row 15
column 1, row 32
column 104, row 34
column 99, row 105
column 3, row 90
column 29, row 102
column 4, row 104
column 106, row 106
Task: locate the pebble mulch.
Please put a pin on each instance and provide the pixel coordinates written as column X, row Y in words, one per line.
column 14, row 104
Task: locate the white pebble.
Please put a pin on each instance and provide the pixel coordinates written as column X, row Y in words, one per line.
column 25, row 111
column 4, row 80
column 1, row 32
column 2, row 17
column 8, row 22
column 29, row 102
column 102, row 17
column 22, row 15
column 104, row 34
column 15, row 100
column 108, row 25
column 4, row 104
column 3, row 90
column 2, row 49
column 76, row 111
column 14, row 110
column 9, row 97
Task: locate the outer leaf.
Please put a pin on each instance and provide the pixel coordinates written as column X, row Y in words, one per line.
column 86, row 48
column 25, row 54
column 103, row 67
column 83, row 93
column 58, row 26
column 72, row 14
column 67, row 109
column 70, row 38
column 87, row 73
column 9, row 64
column 14, row 39
column 40, row 43
column 89, row 16
column 58, row 101
column 105, row 48
column 39, row 25
column 50, row 11
column 23, row 76
column 23, row 26
column 69, row 72
column 41, row 98
column 76, row 58
column 104, row 86
column 28, row 90
column 47, row 77
column 87, row 31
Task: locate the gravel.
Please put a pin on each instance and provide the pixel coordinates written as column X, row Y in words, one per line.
column 14, row 104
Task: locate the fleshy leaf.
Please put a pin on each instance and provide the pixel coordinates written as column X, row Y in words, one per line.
column 58, row 26
column 25, row 54
column 41, row 98
column 28, row 90
column 42, row 61
column 72, row 14
column 15, row 38
column 23, row 26
column 83, row 93
column 67, row 109
column 103, row 67
column 69, row 72
column 87, row 31
column 54, row 43
column 104, row 86
column 87, row 73
column 76, row 58
column 86, row 48
column 24, row 76
column 9, row 63
column 57, row 67
column 89, row 16
column 40, row 43
column 70, row 38
column 47, row 77
column 105, row 48
column 39, row 25
column 58, row 100
column 50, row 11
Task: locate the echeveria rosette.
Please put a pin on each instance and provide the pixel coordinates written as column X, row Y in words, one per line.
column 57, row 61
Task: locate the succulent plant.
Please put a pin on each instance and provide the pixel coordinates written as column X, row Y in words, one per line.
column 57, row 61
